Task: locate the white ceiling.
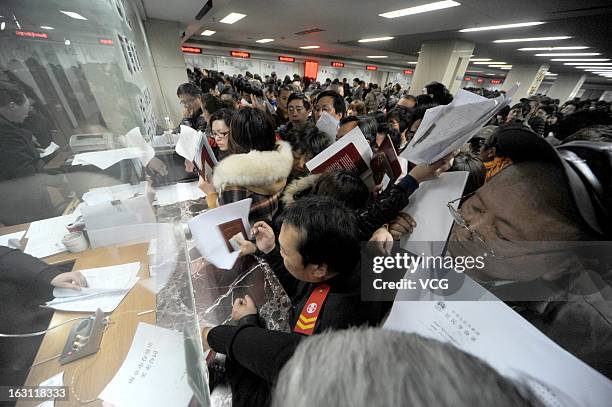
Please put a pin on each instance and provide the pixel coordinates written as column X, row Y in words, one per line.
column 346, row 21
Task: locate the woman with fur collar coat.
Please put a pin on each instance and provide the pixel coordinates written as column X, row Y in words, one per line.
column 258, row 166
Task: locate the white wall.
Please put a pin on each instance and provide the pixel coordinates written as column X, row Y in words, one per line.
column 234, row 66
column 168, row 60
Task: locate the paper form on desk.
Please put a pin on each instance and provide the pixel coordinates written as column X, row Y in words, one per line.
column 107, row 158
column 51, row 148
column 12, row 239
column 179, row 192
column 106, row 288
column 45, row 236
column 153, row 373
column 120, row 192
column 428, row 207
column 495, row 333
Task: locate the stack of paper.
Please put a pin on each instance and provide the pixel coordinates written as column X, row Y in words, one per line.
column 45, row 236
column 106, row 288
column 179, row 192
column 107, row 158
column 447, row 128
column 153, row 373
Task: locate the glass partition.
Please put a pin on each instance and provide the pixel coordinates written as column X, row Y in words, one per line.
column 88, row 176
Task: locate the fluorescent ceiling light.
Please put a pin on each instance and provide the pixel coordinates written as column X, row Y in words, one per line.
column 580, row 59
column 500, row 66
column 438, row 5
column 231, row 18
column 377, row 56
column 412, row 62
column 208, row 33
column 569, row 54
column 593, row 67
column 46, row 27
column 480, row 59
column 564, row 37
column 474, row 71
column 506, row 68
column 2, row 26
column 376, row 39
column 551, row 48
column 590, row 63
column 264, row 40
column 551, row 74
column 490, row 63
column 603, row 68
column 73, row 14
column 310, row 46
column 501, row 27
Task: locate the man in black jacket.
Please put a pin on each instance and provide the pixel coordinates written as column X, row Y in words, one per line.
column 25, row 283
column 318, row 265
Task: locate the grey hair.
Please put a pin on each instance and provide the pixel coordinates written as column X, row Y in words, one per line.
column 375, row 368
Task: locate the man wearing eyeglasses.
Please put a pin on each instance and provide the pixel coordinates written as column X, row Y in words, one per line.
column 526, row 222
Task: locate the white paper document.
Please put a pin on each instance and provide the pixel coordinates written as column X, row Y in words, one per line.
column 120, row 192
column 328, row 124
column 153, row 373
column 134, row 139
column 495, row 333
column 51, row 148
column 447, row 128
column 45, row 236
column 107, row 158
column 428, row 207
column 351, row 152
column 179, row 192
column 56, row 380
column 208, row 236
column 12, row 239
column 106, row 288
column 188, row 143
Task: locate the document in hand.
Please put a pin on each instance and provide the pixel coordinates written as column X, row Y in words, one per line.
column 154, row 372
column 213, row 232
column 106, row 288
column 386, row 162
column 328, row 124
column 188, row 143
column 134, row 139
column 351, row 153
column 51, row 148
column 495, row 333
column 204, row 159
column 447, row 128
column 428, row 207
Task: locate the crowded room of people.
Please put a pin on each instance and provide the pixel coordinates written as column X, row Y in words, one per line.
column 234, row 203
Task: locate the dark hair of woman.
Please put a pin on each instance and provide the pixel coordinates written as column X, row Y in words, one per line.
column 251, row 129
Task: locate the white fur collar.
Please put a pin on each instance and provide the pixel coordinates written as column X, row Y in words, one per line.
column 255, row 168
column 297, row 186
